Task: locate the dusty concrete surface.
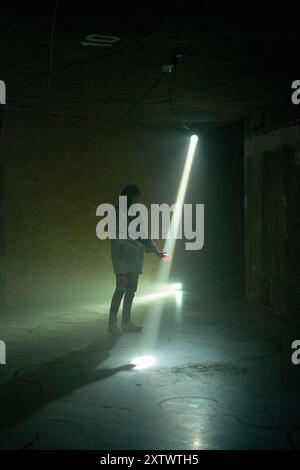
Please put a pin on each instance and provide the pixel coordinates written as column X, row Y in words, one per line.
column 223, row 379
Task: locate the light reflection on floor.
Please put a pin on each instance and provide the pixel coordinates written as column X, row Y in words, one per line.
column 221, row 370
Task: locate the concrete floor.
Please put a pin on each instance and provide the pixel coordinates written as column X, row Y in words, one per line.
column 223, row 379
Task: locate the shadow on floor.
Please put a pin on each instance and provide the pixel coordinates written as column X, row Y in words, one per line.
column 37, row 385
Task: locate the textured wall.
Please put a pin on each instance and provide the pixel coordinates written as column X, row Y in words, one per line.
column 58, row 170
column 272, row 219
column 2, row 153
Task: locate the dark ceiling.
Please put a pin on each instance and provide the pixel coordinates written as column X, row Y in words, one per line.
column 236, row 57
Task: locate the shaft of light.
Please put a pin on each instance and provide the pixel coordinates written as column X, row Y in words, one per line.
column 176, row 219
column 153, row 319
column 170, row 243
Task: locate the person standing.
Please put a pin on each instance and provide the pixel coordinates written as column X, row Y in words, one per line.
column 128, row 258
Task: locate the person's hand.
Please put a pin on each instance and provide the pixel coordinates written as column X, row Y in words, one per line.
column 164, row 256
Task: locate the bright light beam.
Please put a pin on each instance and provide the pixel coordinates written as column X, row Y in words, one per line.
column 157, row 296
column 168, row 290
column 150, row 330
column 176, row 219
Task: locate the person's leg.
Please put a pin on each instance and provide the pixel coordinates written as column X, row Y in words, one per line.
column 131, row 287
column 121, row 283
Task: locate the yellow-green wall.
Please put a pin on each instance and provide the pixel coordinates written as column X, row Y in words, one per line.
column 58, row 169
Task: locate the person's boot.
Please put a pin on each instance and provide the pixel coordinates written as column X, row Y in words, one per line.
column 129, row 327
column 113, row 312
column 113, row 327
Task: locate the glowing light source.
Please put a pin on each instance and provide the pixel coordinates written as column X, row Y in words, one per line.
column 177, row 286
column 153, row 319
column 157, row 295
column 196, row 443
column 160, row 292
column 170, row 243
column 143, row 362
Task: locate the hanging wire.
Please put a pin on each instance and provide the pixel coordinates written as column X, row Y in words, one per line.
column 99, row 56
column 147, row 93
column 184, row 52
column 51, row 47
column 172, row 102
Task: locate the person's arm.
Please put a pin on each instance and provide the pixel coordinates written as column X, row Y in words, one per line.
column 149, row 245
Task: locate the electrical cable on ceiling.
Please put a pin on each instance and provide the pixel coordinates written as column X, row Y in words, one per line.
column 51, row 47
column 120, row 49
column 187, row 48
column 147, row 93
column 205, row 28
column 99, row 56
column 171, row 100
column 185, row 52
